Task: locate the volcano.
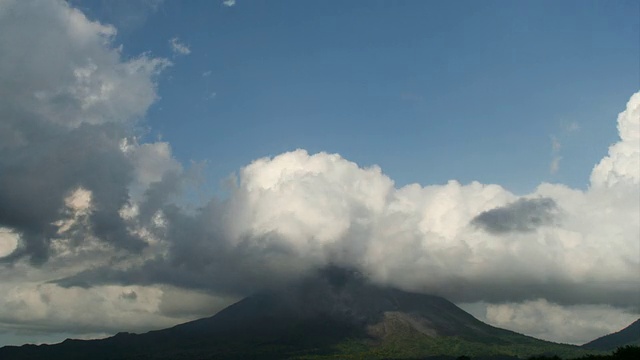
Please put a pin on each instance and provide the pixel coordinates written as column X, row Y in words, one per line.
column 338, row 314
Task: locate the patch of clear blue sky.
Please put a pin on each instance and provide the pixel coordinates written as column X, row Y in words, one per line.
column 428, row 90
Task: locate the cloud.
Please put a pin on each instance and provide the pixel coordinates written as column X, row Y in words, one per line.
column 555, row 164
column 63, row 119
column 131, row 295
column 229, row 3
column 151, row 161
column 49, row 307
column 576, row 324
column 297, row 212
column 8, row 241
column 524, row 215
column 573, row 126
column 622, row 165
column 555, row 144
column 179, row 48
column 555, row 152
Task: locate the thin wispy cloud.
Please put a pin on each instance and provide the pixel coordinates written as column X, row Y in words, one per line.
column 554, row 166
column 556, row 146
column 555, row 152
column 229, row 3
column 178, row 47
column 573, row 126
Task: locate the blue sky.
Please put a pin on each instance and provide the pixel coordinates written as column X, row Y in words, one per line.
column 428, row 90
column 109, row 108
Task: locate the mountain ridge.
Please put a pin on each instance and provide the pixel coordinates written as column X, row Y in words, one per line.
column 630, row 335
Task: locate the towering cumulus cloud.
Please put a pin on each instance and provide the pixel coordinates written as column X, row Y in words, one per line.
column 89, row 221
column 622, row 165
column 468, row 242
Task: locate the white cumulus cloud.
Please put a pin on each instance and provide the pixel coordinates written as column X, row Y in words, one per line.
column 622, row 165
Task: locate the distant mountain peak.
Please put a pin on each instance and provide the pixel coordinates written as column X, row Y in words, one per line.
column 630, row 335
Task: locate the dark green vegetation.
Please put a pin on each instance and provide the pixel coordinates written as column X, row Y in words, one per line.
column 337, row 315
column 627, row 352
column 627, row 336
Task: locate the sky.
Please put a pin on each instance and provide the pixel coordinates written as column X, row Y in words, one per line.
column 161, row 159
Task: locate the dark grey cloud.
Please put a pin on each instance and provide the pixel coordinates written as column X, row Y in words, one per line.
column 229, row 275
column 523, row 215
column 130, row 296
column 625, row 295
column 35, row 179
column 66, row 104
column 201, row 257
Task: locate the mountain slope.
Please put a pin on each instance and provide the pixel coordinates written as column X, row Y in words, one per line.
column 335, row 314
column 627, row 336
